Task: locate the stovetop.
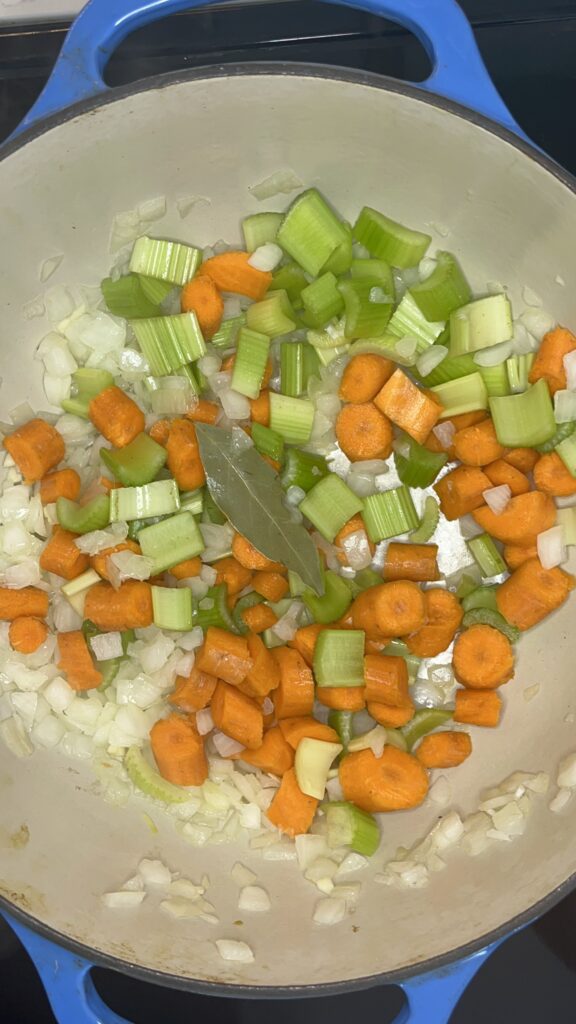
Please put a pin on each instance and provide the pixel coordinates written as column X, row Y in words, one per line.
column 530, row 49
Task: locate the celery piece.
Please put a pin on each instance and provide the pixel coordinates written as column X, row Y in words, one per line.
column 524, row 420
column 424, row 721
column 566, row 517
column 125, row 297
column 292, row 368
column 333, row 604
column 86, row 384
column 312, row 765
column 450, row 369
column 154, row 289
column 322, row 300
column 340, row 260
column 327, row 355
column 272, row 316
column 195, row 380
column 168, row 261
column 135, row 525
column 409, row 321
column 330, row 504
column 339, row 658
column 366, row 578
column 158, row 498
column 466, row 394
column 192, row 501
column 267, row 441
column 342, row 722
column 394, row 738
column 95, row 515
column 227, row 334
column 388, row 240
column 567, row 452
column 250, row 363
column 428, row 523
column 171, row 541
column 563, row 430
column 489, row 617
column 469, row 582
column 421, row 466
column 169, row 342
column 292, row 279
column 495, row 380
column 149, row 781
column 172, row 607
column 248, row 601
column 310, row 364
column 310, row 231
column 445, row 290
column 377, row 272
column 398, row 649
column 347, row 825
column 171, row 396
column 481, row 597
column 518, row 369
column 212, row 610
column 384, row 346
column 137, row 463
column 480, row 324
column 292, row 418
column 389, row 514
column 296, row 584
column 79, row 583
column 486, row 555
column 260, row 228
column 365, row 316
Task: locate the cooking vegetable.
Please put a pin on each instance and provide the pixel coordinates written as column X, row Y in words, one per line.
column 129, row 607
column 36, row 447
column 443, row 615
column 389, row 513
column 137, row 463
column 291, row 810
column 272, row 586
column 423, row 722
column 444, row 749
column 178, row 750
column 363, row 432
column 483, row 658
column 365, row 375
column 237, row 715
column 532, row 592
column 202, row 297
column 75, row 518
column 295, row 729
column 341, row 698
column 462, row 491
column 63, row 483
column 549, row 362
column 486, row 555
column 167, row 261
column 338, row 658
column 477, row 445
column 477, row 707
column 392, row 782
column 388, row 240
column 501, row 472
column 525, row 517
column 409, row 408
column 225, row 656
column 26, row 634
column 194, row 691
column 275, row 755
column 391, row 609
column 416, row 562
column 62, row 557
column 116, row 416
column 29, row 601
column 294, row 696
column 76, row 661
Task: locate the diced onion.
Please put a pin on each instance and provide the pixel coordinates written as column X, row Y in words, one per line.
column 279, row 182
column 235, row 405
column 445, row 433
column 266, row 257
column 494, row 355
column 559, row 801
column 309, row 848
column 240, row 952
column 106, row 646
column 430, row 359
column 565, row 406
column 566, row 778
column 123, row 900
column 329, row 911
column 551, row 547
column 374, row 740
column 407, row 347
column 225, row 745
column 154, row 872
column 242, row 875
column 254, row 899
column 569, row 362
column 287, row 625
column 497, row 498
column 537, row 322
column 356, row 547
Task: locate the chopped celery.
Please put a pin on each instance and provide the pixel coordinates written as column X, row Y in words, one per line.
column 154, row 289
column 296, row 584
column 377, row 272
column 171, row 541
column 409, row 321
column 388, row 240
column 489, row 617
column 481, row 597
column 424, row 721
column 292, row 279
column 310, row 364
column 86, row 384
column 155, row 499
column 524, row 420
column 567, row 452
column 171, row 396
column 566, row 518
column 469, row 582
column 172, row 607
column 227, row 334
column 312, row 765
column 330, row 504
column 213, row 610
column 384, row 346
column 466, row 394
column 451, row 369
column 347, row 825
column 248, row 601
column 428, row 523
column 563, row 431
column 322, row 301
column 272, row 316
column 342, row 723
column 327, row 355
column 169, row 342
column 486, row 555
column 250, row 363
column 330, row 337
column 125, row 297
column 291, row 368
column 389, row 514
column 168, row 261
column 260, row 228
column 135, row 525
column 149, row 781
column 398, row 649
column 137, row 463
column 420, row 467
column 365, row 316
column 394, row 738
column 79, row 583
column 311, row 231
column 195, row 380
column 366, row 578
column 480, row 324
column 339, row 262
column 95, row 515
column 518, row 369
column 445, row 290
column 333, row 604
column 292, row 418
column 339, row 658
column 495, row 380
column 267, row 441
column 192, row 501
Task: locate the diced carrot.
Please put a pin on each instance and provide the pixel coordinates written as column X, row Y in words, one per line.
column 522, row 520
column 416, row 562
column 459, row 422
column 237, row 715
column 395, row 781
column 274, row 756
column 389, row 609
column 178, row 750
column 461, row 491
column 202, row 297
column 160, row 432
column 187, row 569
column 63, row 483
column 260, row 409
column 341, row 698
column 61, row 556
column 99, row 562
column 363, row 432
column 501, row 472
column 483, row 658
column 389, row 715
column 532, row 592
column 36, row 448
column 354, row 525
column 304, row 641
column 203, row 411
column 549, row 361
column 26, row 601
column 194, row 691
column 386, row 679
column 443, row 617
column 270, row 585
column 477, row 707
column 264, row 675
column 26, row 634
column 296, row 729
column 444, row 749
column 552, row 477
column 231, row 272
column 251, row 558
column 291, row 810
column 76, row 661
column 408, row 406
column 364, row 377
column 232, row 573
column 478, row 445
column 523, row 459
column 514, row 556
column 129, row 607
column 259, row 617
column 116, row 416
column 294, row 695
column 183, row 459
column 224, row 655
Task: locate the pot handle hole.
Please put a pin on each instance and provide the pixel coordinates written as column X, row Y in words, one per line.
column 458, row 71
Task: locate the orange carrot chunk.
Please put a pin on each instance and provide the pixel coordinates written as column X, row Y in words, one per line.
column 264, row 675
column 552, row 477
column 389, row 609
column 76, row 661
column 416, row 562
column 61, row 556
column 478, row 445
column 501, row 472
column 462, row 491
column 549, row 361
column 483, row 658
column 63, row 483
column 224, row 655
column 306, row 727
column 444, row 749
column 275, row 756
column 194, row 691
column 291, row 810
column 408, row 407
column 389, row 715
column 459, row 422
column 203, row 411
column 160, row 432
column 28, row 601
column 341, row 698
column 187, row 569
column 178, row 750
column 294, row 695
column 393, row 782
column 304, row 641
column 443, row 617
column 251, row 558
column 270, row 585
column 27, row 634
column 233, row 574
column 364, row 376
column 386, row 679
column 532, row 592
column 116, row 416
column 202, row 297
column 183, row 459
column 231, row 272
column 237, row 715
column 477, row 707
column 363, row 432
column 260, row 409
column 129, row 607
column 99, row 562
column 36, row 447
column 522, row 520
column 514, row 555
column 523, row 459
column 259, row 617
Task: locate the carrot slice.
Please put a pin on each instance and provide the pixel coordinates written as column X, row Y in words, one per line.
column 416, row 562
column 237, row 715
column 477, row 707
column 129, row 607
column 231, row 272
column 478, row 445
column 183, row 459
column 76, row 661
column 552, row 477
column 233, row 574
column 270, row 585
column 203, row 411
column 501, row 472
column 522, row 520
column 389, row 609
column 364, row 376
column 264, row 675
column 341, row 698
column 26, row 634
column 532, row 592
column 116, row 416
column 393, row 782
column 28, row 601
column 386, row 679
column 259, row 617
column 260, row 409
column 194, row 691
column 389, row 715
column 187, row 569
column 63, row 483
column 459, row 422
column 202, row 297
column 36, row 447
column 160, row 432
column 483, row 658
column 61, row 556
column 275, row 755
column 444, row 749
column 178, row 750
column 304, row 641
column 294, row 695
column 462, row 491
column 408, row 407
column 250, row 558
column 291, row 810
column 224, row 655
column 549, row 361
column 514, row 556
column 306, row 727
column 523, row 459
column 443, row 617
column 363, row 432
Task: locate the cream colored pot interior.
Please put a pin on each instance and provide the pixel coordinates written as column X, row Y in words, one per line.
column 510, row 220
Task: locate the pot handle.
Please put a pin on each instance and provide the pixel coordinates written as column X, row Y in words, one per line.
column 441, row 26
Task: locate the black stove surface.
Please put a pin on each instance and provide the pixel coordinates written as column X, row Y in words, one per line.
column 530, row 49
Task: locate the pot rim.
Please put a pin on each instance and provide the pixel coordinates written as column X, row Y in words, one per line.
column 496, row 935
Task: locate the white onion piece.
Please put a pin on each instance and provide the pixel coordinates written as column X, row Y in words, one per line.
column 294, row 495
column 13, row 734
column 374, row 740
column 235, row 405
column 209, row 365
column 225, row 745
column 254, row 899
column 280, row 182
column 123, row 900
column 569, row 362
column 239, row 952
column 56, row 389
column 530, row 297
column 232, row 307
column 267, row 706
column 497, row 498
column 266, row 257
column 565, row 406
column 551, row 547
column 537, row 322
column 494, row 355
column 445, row 433
column 329, row 911
column 566, row 777
column 407, row 347
column 242, row 875
column 209, row 575
column 523, row 342
column 430, row 359
column 286, row 627
column 426, row 267
column 558, row 802
column 356, row 547
column 154, row 872
column 106, row 646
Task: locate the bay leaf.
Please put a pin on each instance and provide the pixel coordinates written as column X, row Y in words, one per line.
column 247, row 491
